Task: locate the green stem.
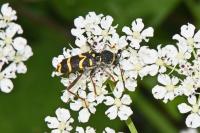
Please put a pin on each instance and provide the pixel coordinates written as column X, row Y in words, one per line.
column 131, row 126
column 199, row 98
column 172, row 68
column 128, row 122
column 194, row 53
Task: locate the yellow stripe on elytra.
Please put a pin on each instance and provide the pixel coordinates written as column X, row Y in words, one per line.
column 59, row 68
column 69, row 65
column 83, row 57
column 91, row 63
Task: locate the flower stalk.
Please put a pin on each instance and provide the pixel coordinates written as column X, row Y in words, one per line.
column 128, row 122
column 131, row 126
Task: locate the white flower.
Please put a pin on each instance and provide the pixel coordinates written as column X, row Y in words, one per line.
column 85, row 105
column 124, row 79
column 183, row 54
column 99, row 90
column 95, row 31
column 118, row 106
column 85, row 25
column 7, row 36
column 105, row 30
column 6, row 84
column 21, row 56
column 169, row 54
column 164, row 57
column 153, row 59
column 7, row 15
column 148, row 56
column 13, row 50
column 188, row 37
column 109, row 130
column 116, row 43
column 61, row 123
column 188, row 86
column 136, row 34
column 87, row 130
column 193, row 119
column 170, row 89
column 6, row 54
column 132, row 63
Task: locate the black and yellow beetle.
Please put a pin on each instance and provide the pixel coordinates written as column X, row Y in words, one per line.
column 88, row 60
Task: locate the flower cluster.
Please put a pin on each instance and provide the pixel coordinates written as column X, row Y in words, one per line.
column 63, row 121
column 181, row 75
column 106, row 84
column 13, row 48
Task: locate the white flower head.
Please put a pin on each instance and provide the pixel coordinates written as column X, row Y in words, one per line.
column 136, row 34
column 60, row 123
column 85, row 105
column 189, row 86
column 7, row 15
column 184, row 62
column 95, row 31
column 188, row 37
column 118, row 106
column 124, row 80
column 169, row 89
column 193, row 119
column 14, row 49
column 86, row 85
column 132, row 63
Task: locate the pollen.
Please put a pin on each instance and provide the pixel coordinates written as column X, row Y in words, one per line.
column 62, row 126
column 170, row 87
column 195, row 108
column 138, row 67
column 136, row 35
column 104, row 33
column 8, row 40
column 160, row 62
column 118, row 103
column 7, row 18
column 180, row 56
column 190, row 41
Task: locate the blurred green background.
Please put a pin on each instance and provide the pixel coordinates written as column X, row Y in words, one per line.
column 47, row 25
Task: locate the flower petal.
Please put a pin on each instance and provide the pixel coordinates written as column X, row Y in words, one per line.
column 137, row 25
column 192, row 100
column 193, row 120
column 184, row 108
column 112, row 112
column 62, row 114
column 6, row 85
column 187, row 30
column 126, row 99
column 124, row 112
column 159, row 92
column 84, row 115
column 52, row 122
